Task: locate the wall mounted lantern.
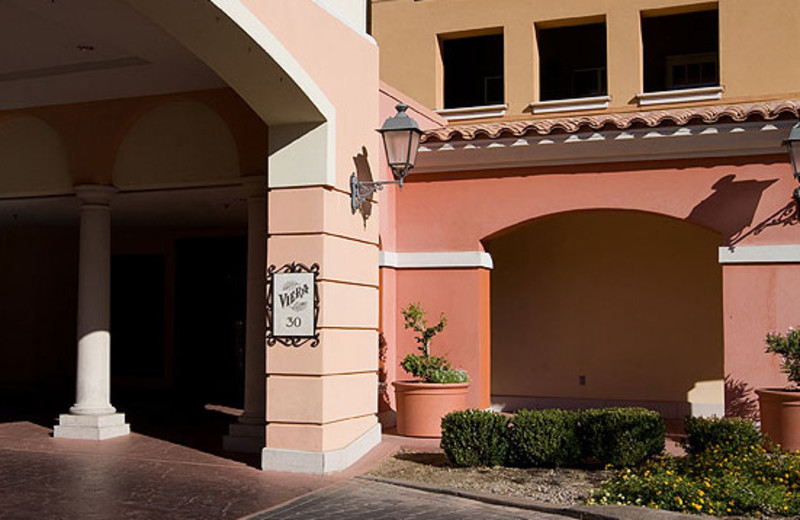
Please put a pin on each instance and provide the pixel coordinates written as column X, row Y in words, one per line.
column 401, row 136
column 793, row 145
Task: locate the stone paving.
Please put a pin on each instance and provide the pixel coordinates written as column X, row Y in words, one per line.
column 363, row 499
column 133, row 477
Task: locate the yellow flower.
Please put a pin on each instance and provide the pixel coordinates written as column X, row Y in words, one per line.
column 700, row 492
column 679, row 501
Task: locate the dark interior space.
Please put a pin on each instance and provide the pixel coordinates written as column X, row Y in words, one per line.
column 681, row 51
column 572, row 61
column 177, row 326
column 210, row 306
column 138, row 317
column 473, row 71
column 199, row 397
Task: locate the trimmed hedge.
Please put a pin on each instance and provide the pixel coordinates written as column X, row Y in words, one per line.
column 730, row 435
column 475, row 438
column 553, row 438
column 622, row 436
column 545, row 438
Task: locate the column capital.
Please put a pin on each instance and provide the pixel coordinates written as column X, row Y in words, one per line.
column 255, row 186
column 95, row 194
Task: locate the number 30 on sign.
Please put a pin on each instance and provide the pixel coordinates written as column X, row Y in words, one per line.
column 292, row 304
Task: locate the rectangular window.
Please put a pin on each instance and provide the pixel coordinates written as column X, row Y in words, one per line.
column 473, row 71
column 680, row 51
column 572, row 61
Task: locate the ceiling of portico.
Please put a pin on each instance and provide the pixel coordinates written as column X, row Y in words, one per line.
column 69, row 51
column 204, row 208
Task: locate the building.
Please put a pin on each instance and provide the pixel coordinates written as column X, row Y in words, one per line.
column 604, row 211
column 135, row 141
column 607, row 216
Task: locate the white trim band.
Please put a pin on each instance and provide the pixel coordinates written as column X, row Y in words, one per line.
column 321, row 462
column 445, row 260
column 460, row 114
column 687, row 95
column 786, row 254
column 568, row 105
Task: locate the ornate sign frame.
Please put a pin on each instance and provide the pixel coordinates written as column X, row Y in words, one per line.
column 273, row 273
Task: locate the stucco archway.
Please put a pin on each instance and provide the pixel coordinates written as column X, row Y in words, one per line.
column 607, row 307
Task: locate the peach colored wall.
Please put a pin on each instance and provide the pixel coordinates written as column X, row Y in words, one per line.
column 757, row 299
column 729, row 196
column 344, row 67
column 757, row 41
column 390, row 307
column 462, row 211
column 462, row 295
column 629, row 300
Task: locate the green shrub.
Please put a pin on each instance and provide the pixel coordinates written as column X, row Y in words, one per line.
column 730, row 435
column 751, row 482
column 621, row 436
column 544, row 438
column 475, row 438
column 447, row 375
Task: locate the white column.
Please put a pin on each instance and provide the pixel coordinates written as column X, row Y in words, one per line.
column 92, row 416
column 248, row 434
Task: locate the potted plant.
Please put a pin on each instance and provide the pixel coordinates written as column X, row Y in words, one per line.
column 780, row 407
column 438, row 388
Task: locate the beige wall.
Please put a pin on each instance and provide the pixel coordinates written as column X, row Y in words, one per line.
column 759, row 44
column 630, row 300
column 194, row 138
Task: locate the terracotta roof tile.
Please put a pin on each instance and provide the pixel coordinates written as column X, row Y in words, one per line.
column 679, row 116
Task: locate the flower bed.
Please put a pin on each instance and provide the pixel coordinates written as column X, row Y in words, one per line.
column 728, row 471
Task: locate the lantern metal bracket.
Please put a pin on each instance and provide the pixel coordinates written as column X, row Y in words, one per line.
column 361, row 191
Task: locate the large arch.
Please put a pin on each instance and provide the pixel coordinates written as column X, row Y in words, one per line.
column 605, row 307
column 33, row 159
column 178, row 143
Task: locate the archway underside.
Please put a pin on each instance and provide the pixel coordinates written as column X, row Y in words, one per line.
column 607, row 307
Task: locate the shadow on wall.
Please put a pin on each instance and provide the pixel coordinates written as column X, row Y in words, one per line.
column 364, row 174
column 732, row 206
column 740, row 399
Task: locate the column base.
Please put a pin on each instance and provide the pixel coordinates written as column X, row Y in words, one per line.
column 91, row 427
column 245, row 438
column 321, row 462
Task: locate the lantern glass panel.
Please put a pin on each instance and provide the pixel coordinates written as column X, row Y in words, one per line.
column 412, row 151
column 396, row 143
column 794, row 154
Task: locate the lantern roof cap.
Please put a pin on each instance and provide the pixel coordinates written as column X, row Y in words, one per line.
column 400, row 121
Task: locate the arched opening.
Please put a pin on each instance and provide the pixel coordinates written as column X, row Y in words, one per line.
column 108, row 98
column 607, row 307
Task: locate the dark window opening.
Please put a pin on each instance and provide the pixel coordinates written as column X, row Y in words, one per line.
column 572, row 62
column 473, row 71
column 681, row 51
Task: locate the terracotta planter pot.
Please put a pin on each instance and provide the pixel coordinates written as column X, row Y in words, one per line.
column 421, row 406
column 780, row 416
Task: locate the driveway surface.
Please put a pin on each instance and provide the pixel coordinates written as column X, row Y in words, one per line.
column 367, row 500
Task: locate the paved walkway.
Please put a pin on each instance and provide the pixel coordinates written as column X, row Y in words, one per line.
column 132, row 477
column 366, row 500
column 138, row 477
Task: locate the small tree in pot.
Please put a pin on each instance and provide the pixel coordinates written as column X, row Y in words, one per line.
column 439, row 388
column 780, row 407
column 424, row 366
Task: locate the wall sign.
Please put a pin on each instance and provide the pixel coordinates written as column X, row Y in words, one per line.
column 292, row 305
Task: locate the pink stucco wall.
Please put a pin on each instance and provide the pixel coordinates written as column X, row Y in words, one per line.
column 727, row 196
column 458, row 211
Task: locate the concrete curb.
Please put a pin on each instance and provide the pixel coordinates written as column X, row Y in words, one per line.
column 579, row 512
